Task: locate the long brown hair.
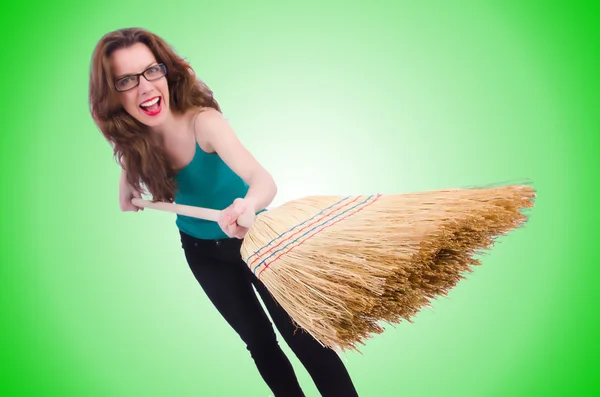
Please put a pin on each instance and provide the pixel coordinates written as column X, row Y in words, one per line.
column 144, row 160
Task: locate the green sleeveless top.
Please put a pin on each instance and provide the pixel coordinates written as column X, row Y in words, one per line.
column 206, row 182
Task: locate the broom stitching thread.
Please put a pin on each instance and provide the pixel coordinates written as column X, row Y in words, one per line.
column 364, row 205
column 289, row 230
column 312, row 219
column 318, row 224
column 322, row 224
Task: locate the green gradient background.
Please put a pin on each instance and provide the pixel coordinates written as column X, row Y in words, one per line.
column 332, row 98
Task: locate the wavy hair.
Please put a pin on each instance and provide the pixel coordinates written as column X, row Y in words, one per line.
column 135, row 150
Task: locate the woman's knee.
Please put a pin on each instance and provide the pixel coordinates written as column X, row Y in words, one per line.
column 262, row 344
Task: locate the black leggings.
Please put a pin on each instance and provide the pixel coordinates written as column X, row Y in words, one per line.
column 227, row 281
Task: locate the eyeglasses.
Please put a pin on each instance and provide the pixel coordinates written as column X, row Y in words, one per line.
column 128, row 82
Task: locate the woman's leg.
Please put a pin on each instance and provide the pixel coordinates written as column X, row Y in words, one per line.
column 216, row 267
column 324, row 366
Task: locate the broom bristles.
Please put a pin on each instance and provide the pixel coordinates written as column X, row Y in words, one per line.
column 341, row 266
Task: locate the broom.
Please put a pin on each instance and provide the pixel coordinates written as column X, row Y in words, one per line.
column 341, row 266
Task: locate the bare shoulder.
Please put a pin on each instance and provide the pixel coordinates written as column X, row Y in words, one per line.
column 213, row 129
column 210, row 125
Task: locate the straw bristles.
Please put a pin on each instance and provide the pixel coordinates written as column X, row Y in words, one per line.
column 340, row 266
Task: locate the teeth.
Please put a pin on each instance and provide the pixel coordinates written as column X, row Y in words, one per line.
column 150, row 103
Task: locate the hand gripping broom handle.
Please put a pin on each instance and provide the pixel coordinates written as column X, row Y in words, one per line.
column 244, row 220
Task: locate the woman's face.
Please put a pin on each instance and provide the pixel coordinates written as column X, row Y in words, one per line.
column 145, row 97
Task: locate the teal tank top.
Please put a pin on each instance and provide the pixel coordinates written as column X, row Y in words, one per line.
column 206, row 182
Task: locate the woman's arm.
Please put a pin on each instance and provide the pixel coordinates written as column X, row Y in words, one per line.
column 216, row 132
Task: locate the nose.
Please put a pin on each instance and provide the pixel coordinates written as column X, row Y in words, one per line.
column 144, row 85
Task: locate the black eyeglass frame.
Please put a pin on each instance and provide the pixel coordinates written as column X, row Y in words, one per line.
column 162, row 67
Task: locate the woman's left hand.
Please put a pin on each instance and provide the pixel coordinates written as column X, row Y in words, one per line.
column 228, row 219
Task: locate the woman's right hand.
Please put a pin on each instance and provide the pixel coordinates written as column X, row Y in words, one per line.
column 126, row 194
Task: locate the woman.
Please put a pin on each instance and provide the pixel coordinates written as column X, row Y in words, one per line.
column 169, row 135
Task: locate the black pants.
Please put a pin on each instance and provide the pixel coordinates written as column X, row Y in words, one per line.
column 227, row 281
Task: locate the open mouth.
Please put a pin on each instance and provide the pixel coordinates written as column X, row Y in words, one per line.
column 152, row 107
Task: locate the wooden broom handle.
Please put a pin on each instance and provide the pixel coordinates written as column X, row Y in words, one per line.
column 244, row 220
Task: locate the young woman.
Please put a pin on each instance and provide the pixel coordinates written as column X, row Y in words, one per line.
column 169, row 135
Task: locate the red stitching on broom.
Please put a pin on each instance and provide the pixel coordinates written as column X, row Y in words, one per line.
column 258, row 256
column 283, row 253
